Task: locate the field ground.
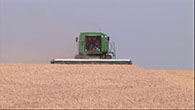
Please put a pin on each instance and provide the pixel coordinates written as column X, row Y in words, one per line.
column 94, row 86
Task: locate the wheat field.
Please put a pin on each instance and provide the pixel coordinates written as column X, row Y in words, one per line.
column 94, row 86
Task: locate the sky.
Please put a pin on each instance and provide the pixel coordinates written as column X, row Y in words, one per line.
column 154, row 34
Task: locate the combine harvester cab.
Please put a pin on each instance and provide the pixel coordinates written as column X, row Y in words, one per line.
column 94, row 48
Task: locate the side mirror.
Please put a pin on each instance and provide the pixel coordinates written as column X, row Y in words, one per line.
column 76, row 39
column 108, row 38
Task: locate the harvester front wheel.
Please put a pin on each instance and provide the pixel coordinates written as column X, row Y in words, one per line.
column 78, row 57
column 108, row 57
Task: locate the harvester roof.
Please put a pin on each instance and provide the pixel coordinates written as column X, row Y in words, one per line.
column 92, row 34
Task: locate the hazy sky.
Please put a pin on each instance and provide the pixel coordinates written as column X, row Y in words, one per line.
column 156, row 34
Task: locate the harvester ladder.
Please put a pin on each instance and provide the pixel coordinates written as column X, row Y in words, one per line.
column 112, row 49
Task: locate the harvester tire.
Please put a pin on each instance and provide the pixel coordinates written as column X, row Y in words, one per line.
column 108, row 57
column 78, row 57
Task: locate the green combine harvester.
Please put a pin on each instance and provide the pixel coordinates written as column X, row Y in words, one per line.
column 94, row 48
